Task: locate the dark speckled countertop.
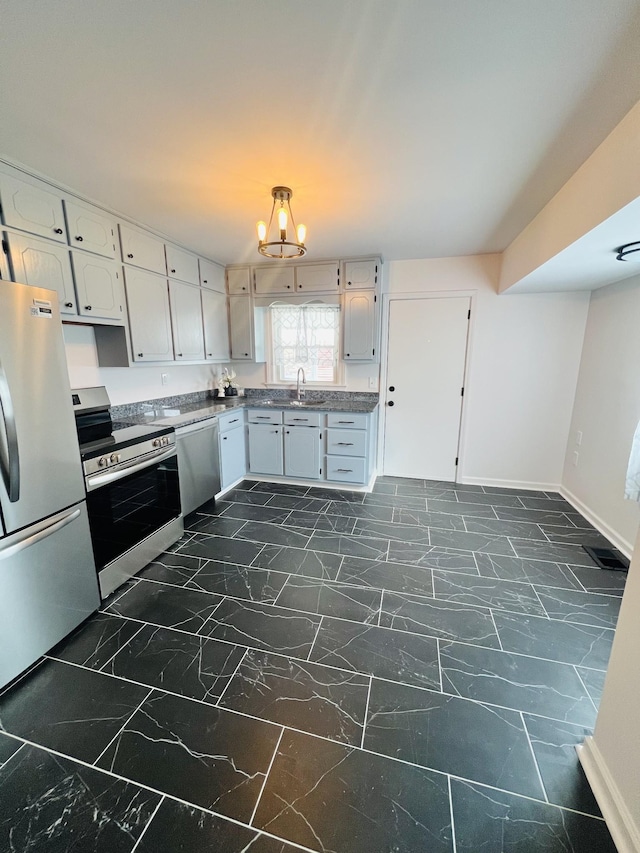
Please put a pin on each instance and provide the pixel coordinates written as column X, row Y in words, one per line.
column 179, row 413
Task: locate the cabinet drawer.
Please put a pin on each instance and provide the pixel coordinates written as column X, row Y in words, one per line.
column 347, row 469
column 260, row 416
column 347, row 442
column 343, row 420
column 231, row 421
column 298, row 418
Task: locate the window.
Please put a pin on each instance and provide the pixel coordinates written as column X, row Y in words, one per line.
column 305, row 336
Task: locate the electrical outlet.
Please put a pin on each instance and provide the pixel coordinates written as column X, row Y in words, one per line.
column 373, row 382
column 579, row 438
column 576, row 455
column 165, row 378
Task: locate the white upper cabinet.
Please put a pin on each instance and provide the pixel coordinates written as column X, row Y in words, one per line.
column 149, row 318
column 90, row 229
column 317, row 278
column 142, row 249
column 274, row 279
column 182, row 265
column 31, row 208
column 239, row 280
column 360, row 326
column 186, row 320
column 43, row 264
column 216, row 326
column 361, row 275
column 211, row 275
column 98, row 286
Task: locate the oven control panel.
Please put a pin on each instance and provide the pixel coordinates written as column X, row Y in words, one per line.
column 127, row 455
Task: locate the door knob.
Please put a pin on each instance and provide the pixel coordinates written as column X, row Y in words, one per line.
column 392, row 388
column 390, row 403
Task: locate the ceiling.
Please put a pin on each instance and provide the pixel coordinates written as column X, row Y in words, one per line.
column 413, row 128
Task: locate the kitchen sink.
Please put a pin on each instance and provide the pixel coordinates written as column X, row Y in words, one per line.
column 317, row 404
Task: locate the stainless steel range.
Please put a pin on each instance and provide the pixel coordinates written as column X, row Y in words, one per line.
column 133, row 491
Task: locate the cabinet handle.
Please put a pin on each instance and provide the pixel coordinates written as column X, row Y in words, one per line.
column 348, row 355
column 224, row 437
column 344, row 470
column 246, row 354
column 87, row 307
column 140, row 354
column 79, row 238
column 204, row 281
column 57, row 230
column 300, row 419
column 344, row 444
column 346, row 422
column 130, row 256
column 68, row 304
column 234, row 421
column 172, row 270
column 209, row 355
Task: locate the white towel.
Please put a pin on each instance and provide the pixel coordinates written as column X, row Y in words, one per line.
column 632, row 485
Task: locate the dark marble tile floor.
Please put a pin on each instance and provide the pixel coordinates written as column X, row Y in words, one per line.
column 323, row 670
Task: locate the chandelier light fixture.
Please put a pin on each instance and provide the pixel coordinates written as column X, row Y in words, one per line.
column 281, row 247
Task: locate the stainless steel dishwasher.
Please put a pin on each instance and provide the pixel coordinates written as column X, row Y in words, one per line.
column 198, row 463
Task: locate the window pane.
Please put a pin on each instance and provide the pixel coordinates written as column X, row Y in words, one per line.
column 305, row 336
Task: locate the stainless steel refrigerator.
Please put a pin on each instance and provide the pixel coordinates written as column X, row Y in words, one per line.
column 48, row 582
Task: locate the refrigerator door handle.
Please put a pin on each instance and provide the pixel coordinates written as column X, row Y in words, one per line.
column 11, row 476
column 18, row 542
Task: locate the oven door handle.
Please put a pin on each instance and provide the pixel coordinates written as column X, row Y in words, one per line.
column 94, row 481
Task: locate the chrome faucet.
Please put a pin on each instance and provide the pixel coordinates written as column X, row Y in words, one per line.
column 299, row 390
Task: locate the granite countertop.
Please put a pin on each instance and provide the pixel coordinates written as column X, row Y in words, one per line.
column 187, row 413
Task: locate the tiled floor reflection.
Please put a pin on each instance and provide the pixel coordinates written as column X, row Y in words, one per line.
column 322, row 670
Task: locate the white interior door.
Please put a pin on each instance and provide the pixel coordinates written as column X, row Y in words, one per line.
column 425, row 367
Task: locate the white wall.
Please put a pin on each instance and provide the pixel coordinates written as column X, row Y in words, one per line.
column 523, row 367
column 607, row 411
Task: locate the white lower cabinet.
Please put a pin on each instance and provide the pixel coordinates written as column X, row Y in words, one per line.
column 99, row 288
column 265, row 449
column 149, row 318
column 233, row 448
column 186, row 321
column 302, row 452
column 347, row 469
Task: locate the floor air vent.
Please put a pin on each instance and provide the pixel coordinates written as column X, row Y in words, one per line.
column 607, row 558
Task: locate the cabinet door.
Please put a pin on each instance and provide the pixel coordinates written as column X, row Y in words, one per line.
column 360, row 275
column 317, row 278
column 233, row 456
column 216, row 326
column 239, row 280
column 182, row 265
column 186, row 321
column 359, row 340
column 274, row 279
column 265, row 449
column 32, row 209
column 90, row 229
column 149, row 318
column 241, row 328
column 43, row 264
column 98, row 286
column 302, row 452
column 141, row 249
column 211, row 275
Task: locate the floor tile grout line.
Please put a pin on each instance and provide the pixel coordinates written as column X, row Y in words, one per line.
column 14, row 754
column 314, row 640
column 266, row 776
column 124, row 725
column 495, row 628
column 537, row 595
column 533, row 756
column 453, row 825
column 148, row 824
column 586, row 689
column 381, row 610
column 217, row 704
column 439, row 666
column 21, row 677
column 307, row 614
column 123, row 646
column 366, row 712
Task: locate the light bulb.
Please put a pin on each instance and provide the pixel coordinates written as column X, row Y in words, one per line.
column 262, row 231
column 282, row 223
column 302, row 233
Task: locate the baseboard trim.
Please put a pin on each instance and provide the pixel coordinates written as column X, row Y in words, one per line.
column 625, row 833
column 598, row 523
column 510, row 484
